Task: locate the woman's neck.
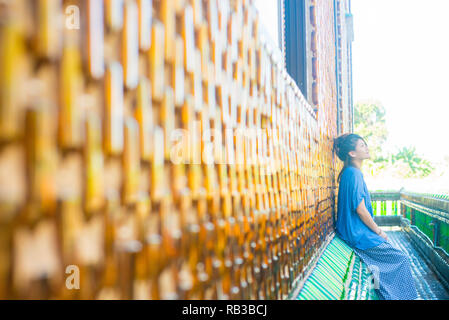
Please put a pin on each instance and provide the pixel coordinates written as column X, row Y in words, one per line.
column 357, row 163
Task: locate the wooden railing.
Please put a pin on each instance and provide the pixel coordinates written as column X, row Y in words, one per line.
column 428, row 212
column 385, row 203
column 425, row 219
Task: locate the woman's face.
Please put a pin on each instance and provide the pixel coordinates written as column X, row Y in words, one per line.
column 361, row 151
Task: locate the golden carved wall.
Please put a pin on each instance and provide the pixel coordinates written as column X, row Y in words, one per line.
column 156, row 150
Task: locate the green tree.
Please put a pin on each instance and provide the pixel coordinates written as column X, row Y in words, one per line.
column 415, row 165
column 369, row 122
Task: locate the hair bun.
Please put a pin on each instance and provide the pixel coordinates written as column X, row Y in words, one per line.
column 339, row 146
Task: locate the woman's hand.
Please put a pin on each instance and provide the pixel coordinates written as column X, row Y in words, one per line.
column 383, row 234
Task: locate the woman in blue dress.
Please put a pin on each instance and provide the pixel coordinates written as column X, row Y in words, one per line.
column 355, row 225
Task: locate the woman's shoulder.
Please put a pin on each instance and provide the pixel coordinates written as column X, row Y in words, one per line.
column 351, row 173
column 350, row 170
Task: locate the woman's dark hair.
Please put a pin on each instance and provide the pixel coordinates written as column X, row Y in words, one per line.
column 342, row 146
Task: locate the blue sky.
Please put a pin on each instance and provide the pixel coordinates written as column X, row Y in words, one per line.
column 401, row 58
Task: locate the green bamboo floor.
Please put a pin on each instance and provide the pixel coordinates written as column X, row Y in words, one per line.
column 338, row 275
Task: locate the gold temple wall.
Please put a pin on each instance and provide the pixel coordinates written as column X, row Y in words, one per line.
column 158, row 150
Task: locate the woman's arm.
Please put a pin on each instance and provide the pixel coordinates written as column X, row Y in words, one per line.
column 368, row 220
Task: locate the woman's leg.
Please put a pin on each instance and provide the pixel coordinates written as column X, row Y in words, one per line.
column 391, row 269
